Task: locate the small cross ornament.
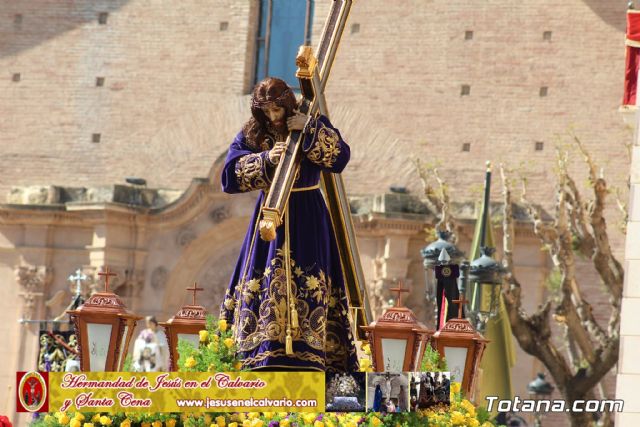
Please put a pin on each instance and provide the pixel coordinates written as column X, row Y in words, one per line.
column 106, row 274
column 399, row 290
column 195, row 289
column 461, row 301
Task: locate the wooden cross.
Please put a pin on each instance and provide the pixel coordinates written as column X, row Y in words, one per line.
column 461, row 301
column 399, row 290
column 195, row 289
column 106, row 274
column 313, row 75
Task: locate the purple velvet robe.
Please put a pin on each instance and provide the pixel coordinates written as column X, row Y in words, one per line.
column 257, row 305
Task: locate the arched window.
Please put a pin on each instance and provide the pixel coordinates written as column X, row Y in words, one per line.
column 284, row 25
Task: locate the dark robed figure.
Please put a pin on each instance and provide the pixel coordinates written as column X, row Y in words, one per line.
column 257, row 300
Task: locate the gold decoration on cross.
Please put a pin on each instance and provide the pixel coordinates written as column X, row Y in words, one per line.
column 106, row 273
column 195, row 289
column 399, row 290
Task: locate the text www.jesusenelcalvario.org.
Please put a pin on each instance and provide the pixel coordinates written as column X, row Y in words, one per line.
column 246, row 403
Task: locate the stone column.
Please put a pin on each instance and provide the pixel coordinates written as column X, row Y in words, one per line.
column 392, row 264
column 628, row 376
column 33, row 281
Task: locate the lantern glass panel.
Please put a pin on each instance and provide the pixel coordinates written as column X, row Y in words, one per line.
column 192, row 338
column 456, row 359
column 99, row 336
column 122, row 352
column 393, row 351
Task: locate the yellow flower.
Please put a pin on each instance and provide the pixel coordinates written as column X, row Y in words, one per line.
column 78, row 416
column 242, row 416
column 228, row 342
column 367, row 349
column 284, row 422
column 487, row 424
column 309, row 417
column 234, row 424
column 221, row 421
column 246, row 423
column 318, row 424
column 171, row 422
column 455, row 387
column 145, row 425
column 468, row 406
column 215, row 338
column 222, row 325
column 156, row 423
column 375, row 421
column 75, row 423
column 473, row 422
column 88, row 424
column 283, row 414
column 95, row 418
column 207, row 419
column 364, row 364
column 190, row 362
column 238, row 365
column 253, row 415
column 64, row 419
column 213, row 346
column 268, row 415
column 457, row 419
column 105, row 421
column 204, row 335
column 125, row 423
column 257, row 423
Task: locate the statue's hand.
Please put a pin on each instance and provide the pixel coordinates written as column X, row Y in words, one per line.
column 297, row 121
column 276, row 152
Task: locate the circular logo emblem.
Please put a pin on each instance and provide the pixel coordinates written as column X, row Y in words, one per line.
column 446, row 271
column 33, row 391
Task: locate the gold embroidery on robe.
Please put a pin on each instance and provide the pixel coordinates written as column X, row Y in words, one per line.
column 325, row 147
column 269, row 324
column 251, row 172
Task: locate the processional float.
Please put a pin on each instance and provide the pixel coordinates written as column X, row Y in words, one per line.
column 313, row 75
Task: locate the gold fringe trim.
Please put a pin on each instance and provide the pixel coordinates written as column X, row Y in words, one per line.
column 313, row 187
column 632, row 43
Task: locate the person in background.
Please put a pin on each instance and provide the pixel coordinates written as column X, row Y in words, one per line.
column 150, row 351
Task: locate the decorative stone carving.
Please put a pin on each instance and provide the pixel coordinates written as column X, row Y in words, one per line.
column 219, row 214
column 33, row 280
column 159, row 278
column 185, row 237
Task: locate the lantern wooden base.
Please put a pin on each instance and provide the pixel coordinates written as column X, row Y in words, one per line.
column 398, row 323
column 459, row 333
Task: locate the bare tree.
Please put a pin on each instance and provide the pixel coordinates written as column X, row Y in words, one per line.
column 578, row 227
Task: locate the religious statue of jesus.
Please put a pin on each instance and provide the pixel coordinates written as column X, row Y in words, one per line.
column 286, row 298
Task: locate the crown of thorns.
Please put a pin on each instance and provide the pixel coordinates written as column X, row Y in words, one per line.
column 259, row 103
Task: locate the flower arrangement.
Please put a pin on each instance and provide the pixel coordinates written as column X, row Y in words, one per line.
column 432, row 362
column 366, row 364
column 461, row 413
column 216, row 351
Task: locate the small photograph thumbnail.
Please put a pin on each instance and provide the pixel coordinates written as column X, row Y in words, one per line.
column 429, row 390
column 346, row 392
column 387, row 392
